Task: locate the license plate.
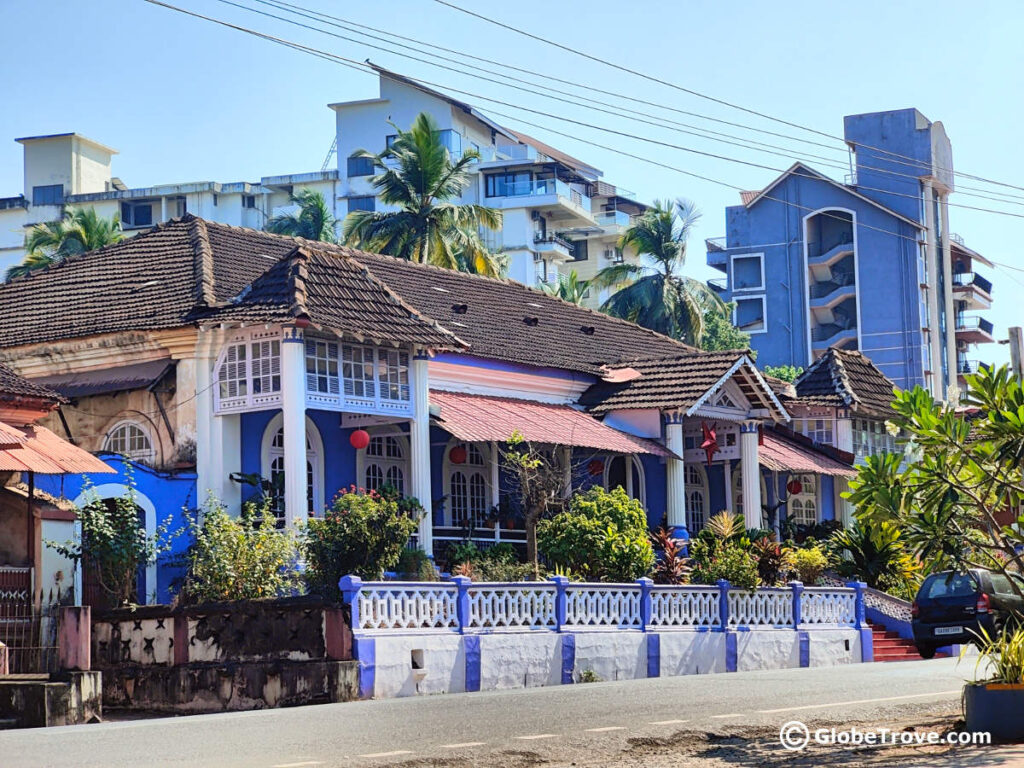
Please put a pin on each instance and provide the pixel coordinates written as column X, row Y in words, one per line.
column 949, row 630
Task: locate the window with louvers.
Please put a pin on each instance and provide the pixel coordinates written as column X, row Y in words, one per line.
column 234, row 373
column 266, row 367
column 322, row 367
column 357, row 368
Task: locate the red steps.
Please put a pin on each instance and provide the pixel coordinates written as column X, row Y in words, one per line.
column 889, row 646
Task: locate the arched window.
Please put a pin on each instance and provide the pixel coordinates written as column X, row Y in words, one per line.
column 628, row 473
column 468, row 484
column 385, row 461
column 273, row 467
column 802, row 508
column 696, row 498
column 129, row 439
column 737, row 490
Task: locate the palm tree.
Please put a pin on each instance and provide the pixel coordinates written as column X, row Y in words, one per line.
column 80, row 230
column 571, row 288
column 656, row 294
column 419, row 177
column 313, row 220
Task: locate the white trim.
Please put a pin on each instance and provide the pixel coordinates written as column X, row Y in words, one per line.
column 764, row 312
column 743, row 360
column 316, row 448
column 447, row 468
column 129, row 422
column 405, row 464
column 804, row 497
column 807, row 274
column 732, row 271
column 114, row 491
column 704, row 488
column 477, row 380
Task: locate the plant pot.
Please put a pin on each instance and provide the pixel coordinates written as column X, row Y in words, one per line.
column 995, row 708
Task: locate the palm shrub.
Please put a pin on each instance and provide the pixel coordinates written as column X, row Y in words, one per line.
column 239, row 558
column 81, row 230
column 420, row 180
column 874, row 552
column 313, row 220
column 571, row 288
column 602, row 536
column 362, row 534
column 722, row 550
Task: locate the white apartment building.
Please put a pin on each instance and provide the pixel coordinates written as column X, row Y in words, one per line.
column 559, row 214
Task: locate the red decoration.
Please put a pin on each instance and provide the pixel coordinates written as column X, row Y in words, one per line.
column 595, row 467
column 458, row 455
column 359, row 439
column 710, row 444
column 794, row 487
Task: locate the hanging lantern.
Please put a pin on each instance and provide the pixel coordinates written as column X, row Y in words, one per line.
column 794, row 487
column 458, row 455
column 359, row 439
column 595, row 467
column 710, row 444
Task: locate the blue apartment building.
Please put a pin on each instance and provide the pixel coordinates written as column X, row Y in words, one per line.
column 865, row 264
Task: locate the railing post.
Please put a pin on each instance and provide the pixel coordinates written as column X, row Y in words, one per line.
column 645, row 602
column 723, row 603
column 350, row 587
column 561, row 603
column 798, row 588
column 462, row 584
column 860, row 614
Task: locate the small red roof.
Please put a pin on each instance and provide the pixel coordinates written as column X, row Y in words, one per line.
column 37, row 449
column 781, row 454
column 479, row 418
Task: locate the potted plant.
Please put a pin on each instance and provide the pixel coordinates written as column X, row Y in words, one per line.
column 995, row 704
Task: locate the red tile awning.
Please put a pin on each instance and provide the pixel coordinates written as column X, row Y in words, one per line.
column 37, row 449
column 479, row 418
column 779, row 453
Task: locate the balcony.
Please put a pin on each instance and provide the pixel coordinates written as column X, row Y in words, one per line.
column 6, row 203
column 966, row 367
column 821, row 262
column 546, row 192
column 614, row 222
column 974, row 330
column 718, row 284
column 822, row 306
column 717, row 256
column 553, row 245
column 972, row 289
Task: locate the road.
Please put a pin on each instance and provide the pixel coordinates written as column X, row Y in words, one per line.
column 489, row 723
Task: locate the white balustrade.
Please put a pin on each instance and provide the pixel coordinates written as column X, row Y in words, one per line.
column 763, row 608
column 888, row 605
column 601, row 605
column 685, row 607
column 511, row 606
column 408, row 606
column 828, row 606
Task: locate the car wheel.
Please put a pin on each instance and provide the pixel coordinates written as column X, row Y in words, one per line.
column 926, row 651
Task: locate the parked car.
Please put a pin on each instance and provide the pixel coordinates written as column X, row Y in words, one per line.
column 954, row 607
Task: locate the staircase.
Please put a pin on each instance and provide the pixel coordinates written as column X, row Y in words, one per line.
column 889, row 646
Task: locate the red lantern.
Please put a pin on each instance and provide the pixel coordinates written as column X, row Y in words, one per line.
column 359, row 439
column 794, row 487
column 458, row 455
column 595, row 467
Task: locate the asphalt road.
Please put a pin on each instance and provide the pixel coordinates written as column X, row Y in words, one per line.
column 384, row 732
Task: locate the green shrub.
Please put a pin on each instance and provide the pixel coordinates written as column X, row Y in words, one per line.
column 601, row 536
column 714, row 560
column 773, row 560
column 414, row 565
column 497, row 563
column 242, row 558
column 362, row 534
column 873, row 551
column 810, row 563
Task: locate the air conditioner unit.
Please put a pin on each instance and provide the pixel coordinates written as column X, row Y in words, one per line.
column 613, row 255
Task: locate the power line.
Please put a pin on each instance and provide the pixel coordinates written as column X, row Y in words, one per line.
column 913, row 161
column 582, row 123
column 641, row 117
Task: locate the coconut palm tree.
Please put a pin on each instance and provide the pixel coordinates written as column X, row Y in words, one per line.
column 421, row 180
column 571, row 288
column 654, row 292
column 313, row 220
column 80, row 230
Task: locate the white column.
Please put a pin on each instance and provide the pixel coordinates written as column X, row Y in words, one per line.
column 750, row 474
column 230, row 438
column 419, row 447
column 931, row 250
column 293, row 400
column 206, row 351
column 163, row 209
column 675, row 476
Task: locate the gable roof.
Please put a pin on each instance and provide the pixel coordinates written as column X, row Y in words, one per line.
column 190, row 271
column 15, row 387
column 843, row 378
column 682, row 383
column 749, row 199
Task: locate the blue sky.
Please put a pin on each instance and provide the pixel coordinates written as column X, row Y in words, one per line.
column 184, row 100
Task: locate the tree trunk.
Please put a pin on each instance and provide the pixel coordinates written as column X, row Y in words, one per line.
column 530, row 523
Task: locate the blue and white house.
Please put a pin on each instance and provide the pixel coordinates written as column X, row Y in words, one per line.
column 866, row 264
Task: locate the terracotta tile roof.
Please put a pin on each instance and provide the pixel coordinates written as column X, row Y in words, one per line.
column 13, row 386
column 188, row 270
column 479, row 418
column 37, row 449
column 122, row 378
column 678, row 383
column 843, row 378
column 747, row 197
column 784, row 451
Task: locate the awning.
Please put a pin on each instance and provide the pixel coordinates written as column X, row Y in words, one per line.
column 780, row 453
column 478, row 418
column 37, row 449
column 123, row 378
